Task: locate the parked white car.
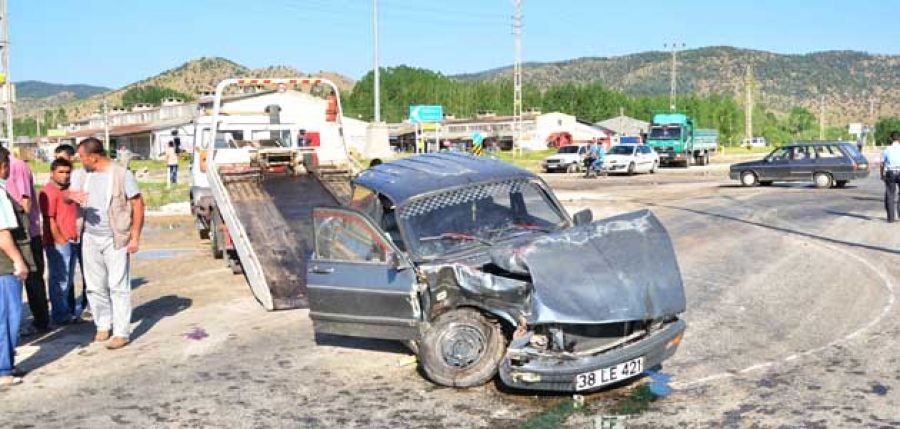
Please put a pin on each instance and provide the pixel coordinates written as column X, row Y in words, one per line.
column 630, row 159
column 569, row 158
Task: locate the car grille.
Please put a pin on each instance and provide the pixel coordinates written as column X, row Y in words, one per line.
column 552, row 161
column 581, row 338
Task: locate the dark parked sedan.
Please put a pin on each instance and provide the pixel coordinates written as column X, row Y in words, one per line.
column 826, row 164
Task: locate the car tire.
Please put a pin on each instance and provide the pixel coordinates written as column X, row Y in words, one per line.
column 572, row 168
column 765, row 183
column 823, row 180
column 706, row 158
column 462, row 348
column 748, row 178
column 630, row 171
column 840, row 183
column 216, row 236
column 654, row 167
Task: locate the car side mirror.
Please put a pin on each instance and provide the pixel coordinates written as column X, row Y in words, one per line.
column 583, row 217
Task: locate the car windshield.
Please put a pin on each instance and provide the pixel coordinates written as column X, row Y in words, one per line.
column 481, row 214
column 665, row 133
column 568, row 149
column 621, row 150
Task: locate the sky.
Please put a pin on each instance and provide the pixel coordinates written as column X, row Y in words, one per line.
column 116, row 42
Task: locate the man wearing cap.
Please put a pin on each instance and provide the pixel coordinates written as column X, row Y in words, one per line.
column 890, row 173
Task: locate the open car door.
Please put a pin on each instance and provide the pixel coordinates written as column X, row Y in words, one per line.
column 359, row 284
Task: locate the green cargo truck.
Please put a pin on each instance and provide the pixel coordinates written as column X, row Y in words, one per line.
column 674, row 138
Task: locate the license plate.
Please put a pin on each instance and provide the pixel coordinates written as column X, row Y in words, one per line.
column 604, row 376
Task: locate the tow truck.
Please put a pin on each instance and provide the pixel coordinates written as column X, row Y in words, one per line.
column 254, row 188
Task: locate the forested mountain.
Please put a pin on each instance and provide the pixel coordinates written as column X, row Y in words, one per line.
column 38, row 89
column 404, row 86
column 855, row 85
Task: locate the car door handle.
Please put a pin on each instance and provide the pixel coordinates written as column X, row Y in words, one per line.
column 321, row 270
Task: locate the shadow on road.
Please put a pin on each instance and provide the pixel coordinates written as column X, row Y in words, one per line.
column 780, row 229
column 151, row 312
column 853, row 215
column 64, row 340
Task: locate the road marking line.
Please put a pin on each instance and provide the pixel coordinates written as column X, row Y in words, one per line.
column 885, row 310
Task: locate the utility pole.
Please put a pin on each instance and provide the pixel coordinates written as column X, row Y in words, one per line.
column 38, row 121
column 7, row 83
column 377, row 72
column 673, row 93
column 517, row 80
column 822, row 117
column 105, row 125
column 748, row 132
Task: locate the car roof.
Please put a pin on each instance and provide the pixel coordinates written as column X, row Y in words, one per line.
column 816, row 143
column 406, row 178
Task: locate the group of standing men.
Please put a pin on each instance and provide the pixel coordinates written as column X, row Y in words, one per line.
column 93, row 215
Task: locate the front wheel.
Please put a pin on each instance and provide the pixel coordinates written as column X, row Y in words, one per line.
column 823, row 180
column 462, row 348
column 631, row 169
column 654, row 167
column 572, row 168
column 748, row 178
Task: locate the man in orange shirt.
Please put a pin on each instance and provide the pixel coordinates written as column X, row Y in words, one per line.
column 59, row 239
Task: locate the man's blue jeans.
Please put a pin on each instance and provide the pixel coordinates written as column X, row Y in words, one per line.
column 10, row 317
column 61, row 267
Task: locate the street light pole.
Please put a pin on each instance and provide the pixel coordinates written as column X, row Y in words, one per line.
column 105, row 125
column 376, row 71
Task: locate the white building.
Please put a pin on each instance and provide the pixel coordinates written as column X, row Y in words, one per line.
column 624, row 126
column 539, row 130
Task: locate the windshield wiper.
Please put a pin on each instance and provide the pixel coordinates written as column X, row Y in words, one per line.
column 456, row 236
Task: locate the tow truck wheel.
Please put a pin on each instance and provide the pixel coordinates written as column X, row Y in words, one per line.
column 462, row 348
column 216, row 238
column 748, row 178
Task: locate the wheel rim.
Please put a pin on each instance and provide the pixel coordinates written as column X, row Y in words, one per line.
column 748, row 179
column 822, row 180
column 462, row 346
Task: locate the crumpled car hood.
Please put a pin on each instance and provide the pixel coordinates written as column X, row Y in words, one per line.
column 617, row 269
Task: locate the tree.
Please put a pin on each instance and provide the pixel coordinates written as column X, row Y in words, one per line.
column 151, row 95
column 883, row 129
column 800, row 122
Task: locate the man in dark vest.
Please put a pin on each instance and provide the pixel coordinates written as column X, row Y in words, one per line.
column 113, row 218
column 15, row 263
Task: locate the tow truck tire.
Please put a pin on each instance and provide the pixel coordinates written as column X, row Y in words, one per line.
column 234, row 263
column 748, row 178
column 823, row 180
column 462, row 348
column 216, row 239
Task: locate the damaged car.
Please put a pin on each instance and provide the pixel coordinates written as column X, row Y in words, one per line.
column 475, row 264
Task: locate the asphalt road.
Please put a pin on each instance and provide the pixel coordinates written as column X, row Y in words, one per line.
column 791, row 313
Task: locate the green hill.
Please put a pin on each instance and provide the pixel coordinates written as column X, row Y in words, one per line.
column 848, row 80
